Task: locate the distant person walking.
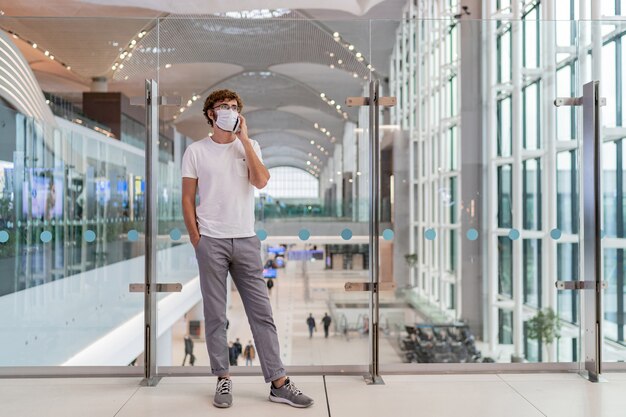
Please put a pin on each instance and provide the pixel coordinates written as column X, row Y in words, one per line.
column 189, row 351
column 249, row 353
column 232, row 354
column 326, row 320
column 310, row 321
column 237, row 344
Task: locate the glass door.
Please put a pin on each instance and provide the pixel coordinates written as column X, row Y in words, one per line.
column 71, row 196
column 481, row 184
column 311, row 219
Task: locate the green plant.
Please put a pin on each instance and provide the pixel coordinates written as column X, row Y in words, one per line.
column 545, row 326
column 411, row 259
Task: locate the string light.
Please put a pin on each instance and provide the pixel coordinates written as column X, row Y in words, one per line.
column 34, row 45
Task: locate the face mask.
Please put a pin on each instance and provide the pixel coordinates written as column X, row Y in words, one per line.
column 227, row 120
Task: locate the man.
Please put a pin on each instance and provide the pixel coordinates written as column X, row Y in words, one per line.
column 237, row 344
column 326, row 320
column 189, row 350
column 310, row 321
column 232, row 354
column 249, row 353
column 224, row 169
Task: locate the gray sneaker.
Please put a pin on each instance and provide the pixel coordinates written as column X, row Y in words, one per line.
column 291, row 395
column 223, row 393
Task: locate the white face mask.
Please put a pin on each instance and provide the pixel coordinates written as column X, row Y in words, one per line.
column 227, row 120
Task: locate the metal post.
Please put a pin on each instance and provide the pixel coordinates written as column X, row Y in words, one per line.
column 374, row 235
column 152, row 154
column 591, row 280
column 374, row 101
column 592, row 224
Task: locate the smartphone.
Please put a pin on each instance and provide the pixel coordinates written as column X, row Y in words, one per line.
column 237, row 123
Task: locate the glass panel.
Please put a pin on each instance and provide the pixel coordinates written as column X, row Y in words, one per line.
column 567, row 194
column 504, row 126
column 532, row 112
column 478, row 267
column 611, row 76
column 505, row 186
column 310, row 230
column 565, row 115
column 532, row 272
column 531, row 184
column 71, row 196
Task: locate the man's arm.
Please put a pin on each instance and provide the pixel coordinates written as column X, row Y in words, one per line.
column 190, row 186
column 259, row 175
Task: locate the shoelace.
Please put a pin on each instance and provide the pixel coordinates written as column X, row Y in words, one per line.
column 291, row 387
column 224, row 386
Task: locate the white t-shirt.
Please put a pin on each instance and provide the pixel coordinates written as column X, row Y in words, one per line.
column 226, row 208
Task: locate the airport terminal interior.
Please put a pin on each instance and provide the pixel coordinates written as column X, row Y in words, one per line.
column 447, row 203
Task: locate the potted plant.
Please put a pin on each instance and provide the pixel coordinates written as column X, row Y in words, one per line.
column 544, row 327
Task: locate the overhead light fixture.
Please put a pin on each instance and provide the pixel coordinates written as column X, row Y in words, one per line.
column 359, row 55
column 351, row 47
column 46, row 53
column 168, row 65
column 339, row 61
column 336, row 35
column 322, row 95
column 35, row 45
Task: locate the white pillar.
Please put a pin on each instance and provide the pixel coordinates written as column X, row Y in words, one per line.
column 99, row 85
column 164, row 348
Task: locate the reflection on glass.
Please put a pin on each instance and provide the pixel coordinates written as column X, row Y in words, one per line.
column 505, row 266
column 567, row 192
column 505, row 186
column 532, row 272
column 531, row 184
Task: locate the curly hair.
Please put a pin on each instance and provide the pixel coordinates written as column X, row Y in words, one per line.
column 219, row 95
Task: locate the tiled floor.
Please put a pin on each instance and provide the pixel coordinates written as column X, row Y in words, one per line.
column 527, row 395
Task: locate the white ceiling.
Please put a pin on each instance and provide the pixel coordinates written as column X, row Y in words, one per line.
column 279, row 66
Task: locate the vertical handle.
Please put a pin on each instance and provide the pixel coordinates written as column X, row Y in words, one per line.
column 374, row 234
column 150, row 311
column 592, row 224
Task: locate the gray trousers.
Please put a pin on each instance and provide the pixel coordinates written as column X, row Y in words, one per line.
column 241, row 256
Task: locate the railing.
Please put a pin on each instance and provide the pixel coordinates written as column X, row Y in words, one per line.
column 67, row 110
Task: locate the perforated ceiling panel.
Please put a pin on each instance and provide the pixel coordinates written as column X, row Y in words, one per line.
column 255, row 44
column 261, row 120
column 286, row 140
column 88, row 45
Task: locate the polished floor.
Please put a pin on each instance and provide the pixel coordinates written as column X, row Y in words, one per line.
column 511, row 395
